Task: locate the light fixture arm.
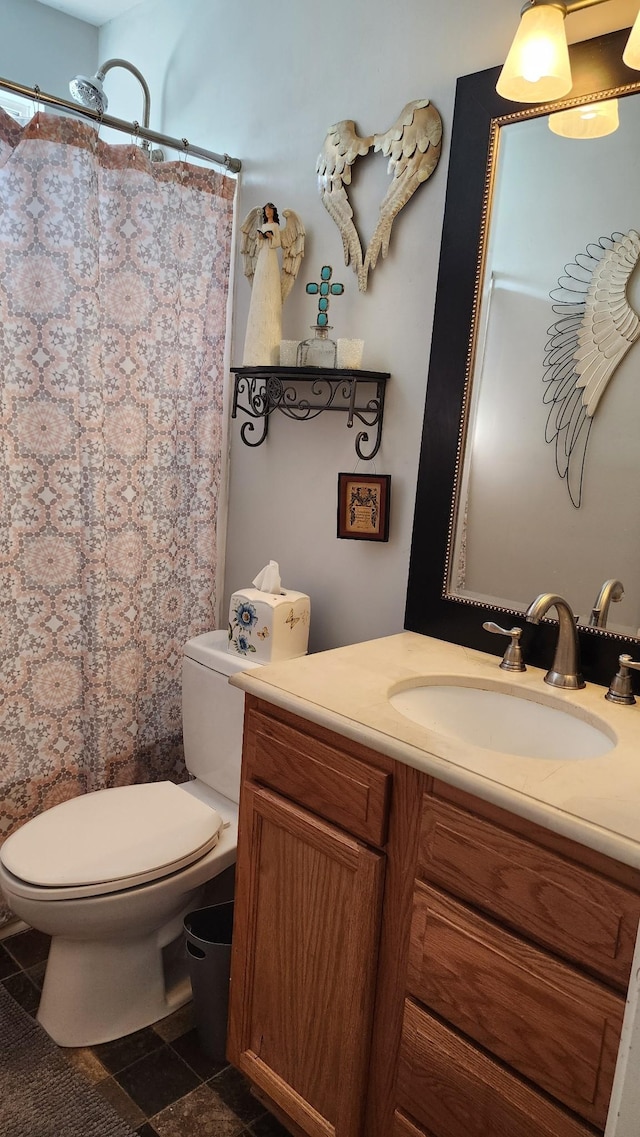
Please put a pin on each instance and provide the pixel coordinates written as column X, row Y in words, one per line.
column 576, row 5
column 567, row 9
column 146, row 95
column 537, row 68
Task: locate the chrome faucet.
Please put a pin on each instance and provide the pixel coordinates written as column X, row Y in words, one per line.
column 565, row 669
column 612, row 590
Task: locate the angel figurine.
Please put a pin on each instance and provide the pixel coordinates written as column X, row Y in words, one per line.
column 262, row 235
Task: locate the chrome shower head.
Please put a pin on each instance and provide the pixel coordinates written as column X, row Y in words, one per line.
column 89, row 93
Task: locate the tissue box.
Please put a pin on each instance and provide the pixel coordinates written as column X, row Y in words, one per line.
column 267, row 627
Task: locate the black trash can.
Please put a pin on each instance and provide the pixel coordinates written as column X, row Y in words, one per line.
column 208, row 942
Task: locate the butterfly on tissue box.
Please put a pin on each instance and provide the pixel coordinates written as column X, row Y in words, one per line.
column 269, row 627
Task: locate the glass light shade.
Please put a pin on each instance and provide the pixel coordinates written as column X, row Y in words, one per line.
column 593, row 120
column 537, row 67
column 631, row 53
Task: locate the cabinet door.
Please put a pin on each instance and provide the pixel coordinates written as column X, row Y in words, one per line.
column 308, row 901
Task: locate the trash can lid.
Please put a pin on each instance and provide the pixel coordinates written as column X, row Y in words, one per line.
column 113, row 839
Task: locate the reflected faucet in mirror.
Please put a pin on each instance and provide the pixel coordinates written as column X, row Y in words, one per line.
column 611, row 591
column 565, row 669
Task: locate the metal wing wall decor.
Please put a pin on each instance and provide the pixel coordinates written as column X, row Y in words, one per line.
column 413, row 145
column 595, row 329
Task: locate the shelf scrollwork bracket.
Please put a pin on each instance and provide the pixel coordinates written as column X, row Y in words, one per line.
column 303, row 393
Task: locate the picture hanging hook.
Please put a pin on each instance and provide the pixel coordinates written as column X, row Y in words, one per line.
column 355, row 468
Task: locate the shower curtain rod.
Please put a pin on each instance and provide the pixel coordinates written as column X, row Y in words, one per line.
column 234, row 165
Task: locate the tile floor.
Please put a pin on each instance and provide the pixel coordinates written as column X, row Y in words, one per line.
column 158, row 1079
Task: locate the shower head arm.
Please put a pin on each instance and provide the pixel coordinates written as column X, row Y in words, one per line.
column 102, row 71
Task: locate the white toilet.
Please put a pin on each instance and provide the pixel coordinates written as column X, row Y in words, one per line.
column 110, row 875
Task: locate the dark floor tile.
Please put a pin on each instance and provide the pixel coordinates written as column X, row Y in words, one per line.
column 147, row 1130
column 188, row 1047
column 158, row 1080
column 201, row 1113
column 267, row 1126
column 120, row 1101
column 234, row 1090
column 36, row 974
column 123, row 1052
column 176, row 1024
column 8, row 965
column 23, row 991
column 85, row 1061
column 28, row 947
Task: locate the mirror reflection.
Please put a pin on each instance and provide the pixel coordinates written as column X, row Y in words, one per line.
column 546, row 496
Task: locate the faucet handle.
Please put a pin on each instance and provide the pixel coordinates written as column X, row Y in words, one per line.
column 620, row 687
column 512, row 659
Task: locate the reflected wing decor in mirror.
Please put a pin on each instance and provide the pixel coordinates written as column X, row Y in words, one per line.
column 594, row 331
column 412, row 145
column 514, row 374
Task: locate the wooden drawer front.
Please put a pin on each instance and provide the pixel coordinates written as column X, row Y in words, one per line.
column 549, row 1022
column 582, row 916
column 334, row 785
column 453, row 1090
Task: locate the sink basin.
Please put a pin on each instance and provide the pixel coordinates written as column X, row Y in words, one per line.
column 503, row 722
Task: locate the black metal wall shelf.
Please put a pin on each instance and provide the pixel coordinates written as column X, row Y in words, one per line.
column 303, row 393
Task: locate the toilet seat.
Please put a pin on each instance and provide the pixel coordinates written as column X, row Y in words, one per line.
column 111, row 840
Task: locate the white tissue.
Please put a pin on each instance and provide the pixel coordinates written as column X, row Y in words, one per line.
column 268, row 579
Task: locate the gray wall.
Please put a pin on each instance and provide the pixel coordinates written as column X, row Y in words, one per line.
column 41, row 45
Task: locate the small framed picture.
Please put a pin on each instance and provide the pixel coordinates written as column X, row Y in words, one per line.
column 363, row 506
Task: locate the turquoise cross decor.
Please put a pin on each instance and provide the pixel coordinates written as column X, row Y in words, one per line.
column 324, row 290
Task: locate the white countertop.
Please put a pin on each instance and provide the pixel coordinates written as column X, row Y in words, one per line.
column 595, row 800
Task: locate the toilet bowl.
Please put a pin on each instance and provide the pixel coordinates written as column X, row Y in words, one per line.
column 111, row 875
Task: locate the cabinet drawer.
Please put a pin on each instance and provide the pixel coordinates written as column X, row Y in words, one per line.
column 453, row 1090
column 551, row 1023
column 327, row 781
column 577, row 913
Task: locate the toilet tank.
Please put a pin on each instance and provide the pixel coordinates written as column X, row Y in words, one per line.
column 213, row 712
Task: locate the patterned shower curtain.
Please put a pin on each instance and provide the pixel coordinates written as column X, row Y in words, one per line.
column 114, row 278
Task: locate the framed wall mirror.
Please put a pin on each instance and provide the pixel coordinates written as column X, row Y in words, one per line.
column 507, row 505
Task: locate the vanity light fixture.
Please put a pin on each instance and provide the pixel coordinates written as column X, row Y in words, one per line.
column 593, row 120
column 537, row 68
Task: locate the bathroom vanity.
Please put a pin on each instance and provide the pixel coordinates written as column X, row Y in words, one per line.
column 433, row 938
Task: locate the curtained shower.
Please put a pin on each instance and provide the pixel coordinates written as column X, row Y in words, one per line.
column 114, row 281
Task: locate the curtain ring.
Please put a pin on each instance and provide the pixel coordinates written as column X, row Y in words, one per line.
column 183, row 158
column 37, row 105
column 96, row 135
column 134, row 138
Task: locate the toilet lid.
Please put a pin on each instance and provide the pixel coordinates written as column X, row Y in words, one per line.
column 142, row 832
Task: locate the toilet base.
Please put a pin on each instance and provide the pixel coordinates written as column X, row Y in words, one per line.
column 117, row 962
column 95, row 992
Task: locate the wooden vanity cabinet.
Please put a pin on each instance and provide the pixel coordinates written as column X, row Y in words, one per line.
column 409, row 961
